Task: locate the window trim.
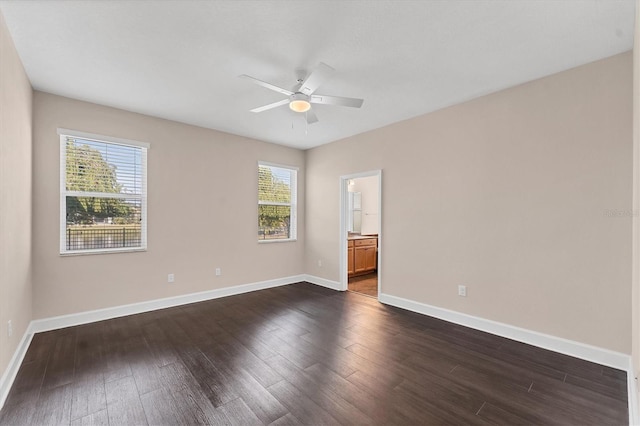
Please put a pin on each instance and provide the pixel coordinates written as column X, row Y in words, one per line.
column 63, row 134
column 293, row 204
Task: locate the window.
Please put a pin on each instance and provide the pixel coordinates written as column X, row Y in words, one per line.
column 277, row 193
column 103, row 194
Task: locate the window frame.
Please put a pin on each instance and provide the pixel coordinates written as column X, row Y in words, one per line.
column 63, row 135
column 293, row 221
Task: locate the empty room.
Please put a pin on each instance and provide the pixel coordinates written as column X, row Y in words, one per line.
column 319, row 212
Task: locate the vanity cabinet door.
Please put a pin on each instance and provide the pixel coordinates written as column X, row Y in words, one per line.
column 370, row 259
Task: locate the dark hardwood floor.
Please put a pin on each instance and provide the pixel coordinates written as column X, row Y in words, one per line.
column 302, row 354
column 364, row 284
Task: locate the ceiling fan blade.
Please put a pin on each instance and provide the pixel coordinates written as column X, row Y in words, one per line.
column 270, row 106
column 267, row 85
column 336, row 100
column 311, row 117
column 316, row 78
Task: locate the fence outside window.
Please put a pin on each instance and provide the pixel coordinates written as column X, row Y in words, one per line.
column 87, row 238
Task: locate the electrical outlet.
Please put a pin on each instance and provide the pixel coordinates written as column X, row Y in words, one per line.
column 462, row 290
column 320, row 263
column 9, row 328
column 171, row 278
column 218, row 272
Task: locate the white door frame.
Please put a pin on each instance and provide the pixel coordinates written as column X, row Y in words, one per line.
column 344, row 202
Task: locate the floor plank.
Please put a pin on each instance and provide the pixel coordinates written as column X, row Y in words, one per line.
column 302, row 407
column 239, row 413
column 123, row 402
column 54, row 407
column 100, row 418
column 60, row 368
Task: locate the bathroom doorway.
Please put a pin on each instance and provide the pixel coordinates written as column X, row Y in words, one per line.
column 360, row 232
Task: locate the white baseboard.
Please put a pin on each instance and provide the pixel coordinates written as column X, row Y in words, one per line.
column 333, row 285
column 557, row 344
column 70, row 320
column 568, row 347
column 632, row 393
column 14, row 365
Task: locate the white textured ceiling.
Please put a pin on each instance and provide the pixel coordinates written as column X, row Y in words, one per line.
column 180, row 59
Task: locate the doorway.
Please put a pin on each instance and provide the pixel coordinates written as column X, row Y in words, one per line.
column 360, row 231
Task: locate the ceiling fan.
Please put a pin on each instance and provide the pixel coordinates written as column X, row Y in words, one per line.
column 303, row 94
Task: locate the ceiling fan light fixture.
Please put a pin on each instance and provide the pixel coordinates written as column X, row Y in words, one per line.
column 299, row 103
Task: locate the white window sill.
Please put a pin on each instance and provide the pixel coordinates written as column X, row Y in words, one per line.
column 102, row 251
column 288, row 240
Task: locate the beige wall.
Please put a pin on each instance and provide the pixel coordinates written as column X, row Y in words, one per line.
column 202, row 213
column 507, row 194
column 15, row 197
